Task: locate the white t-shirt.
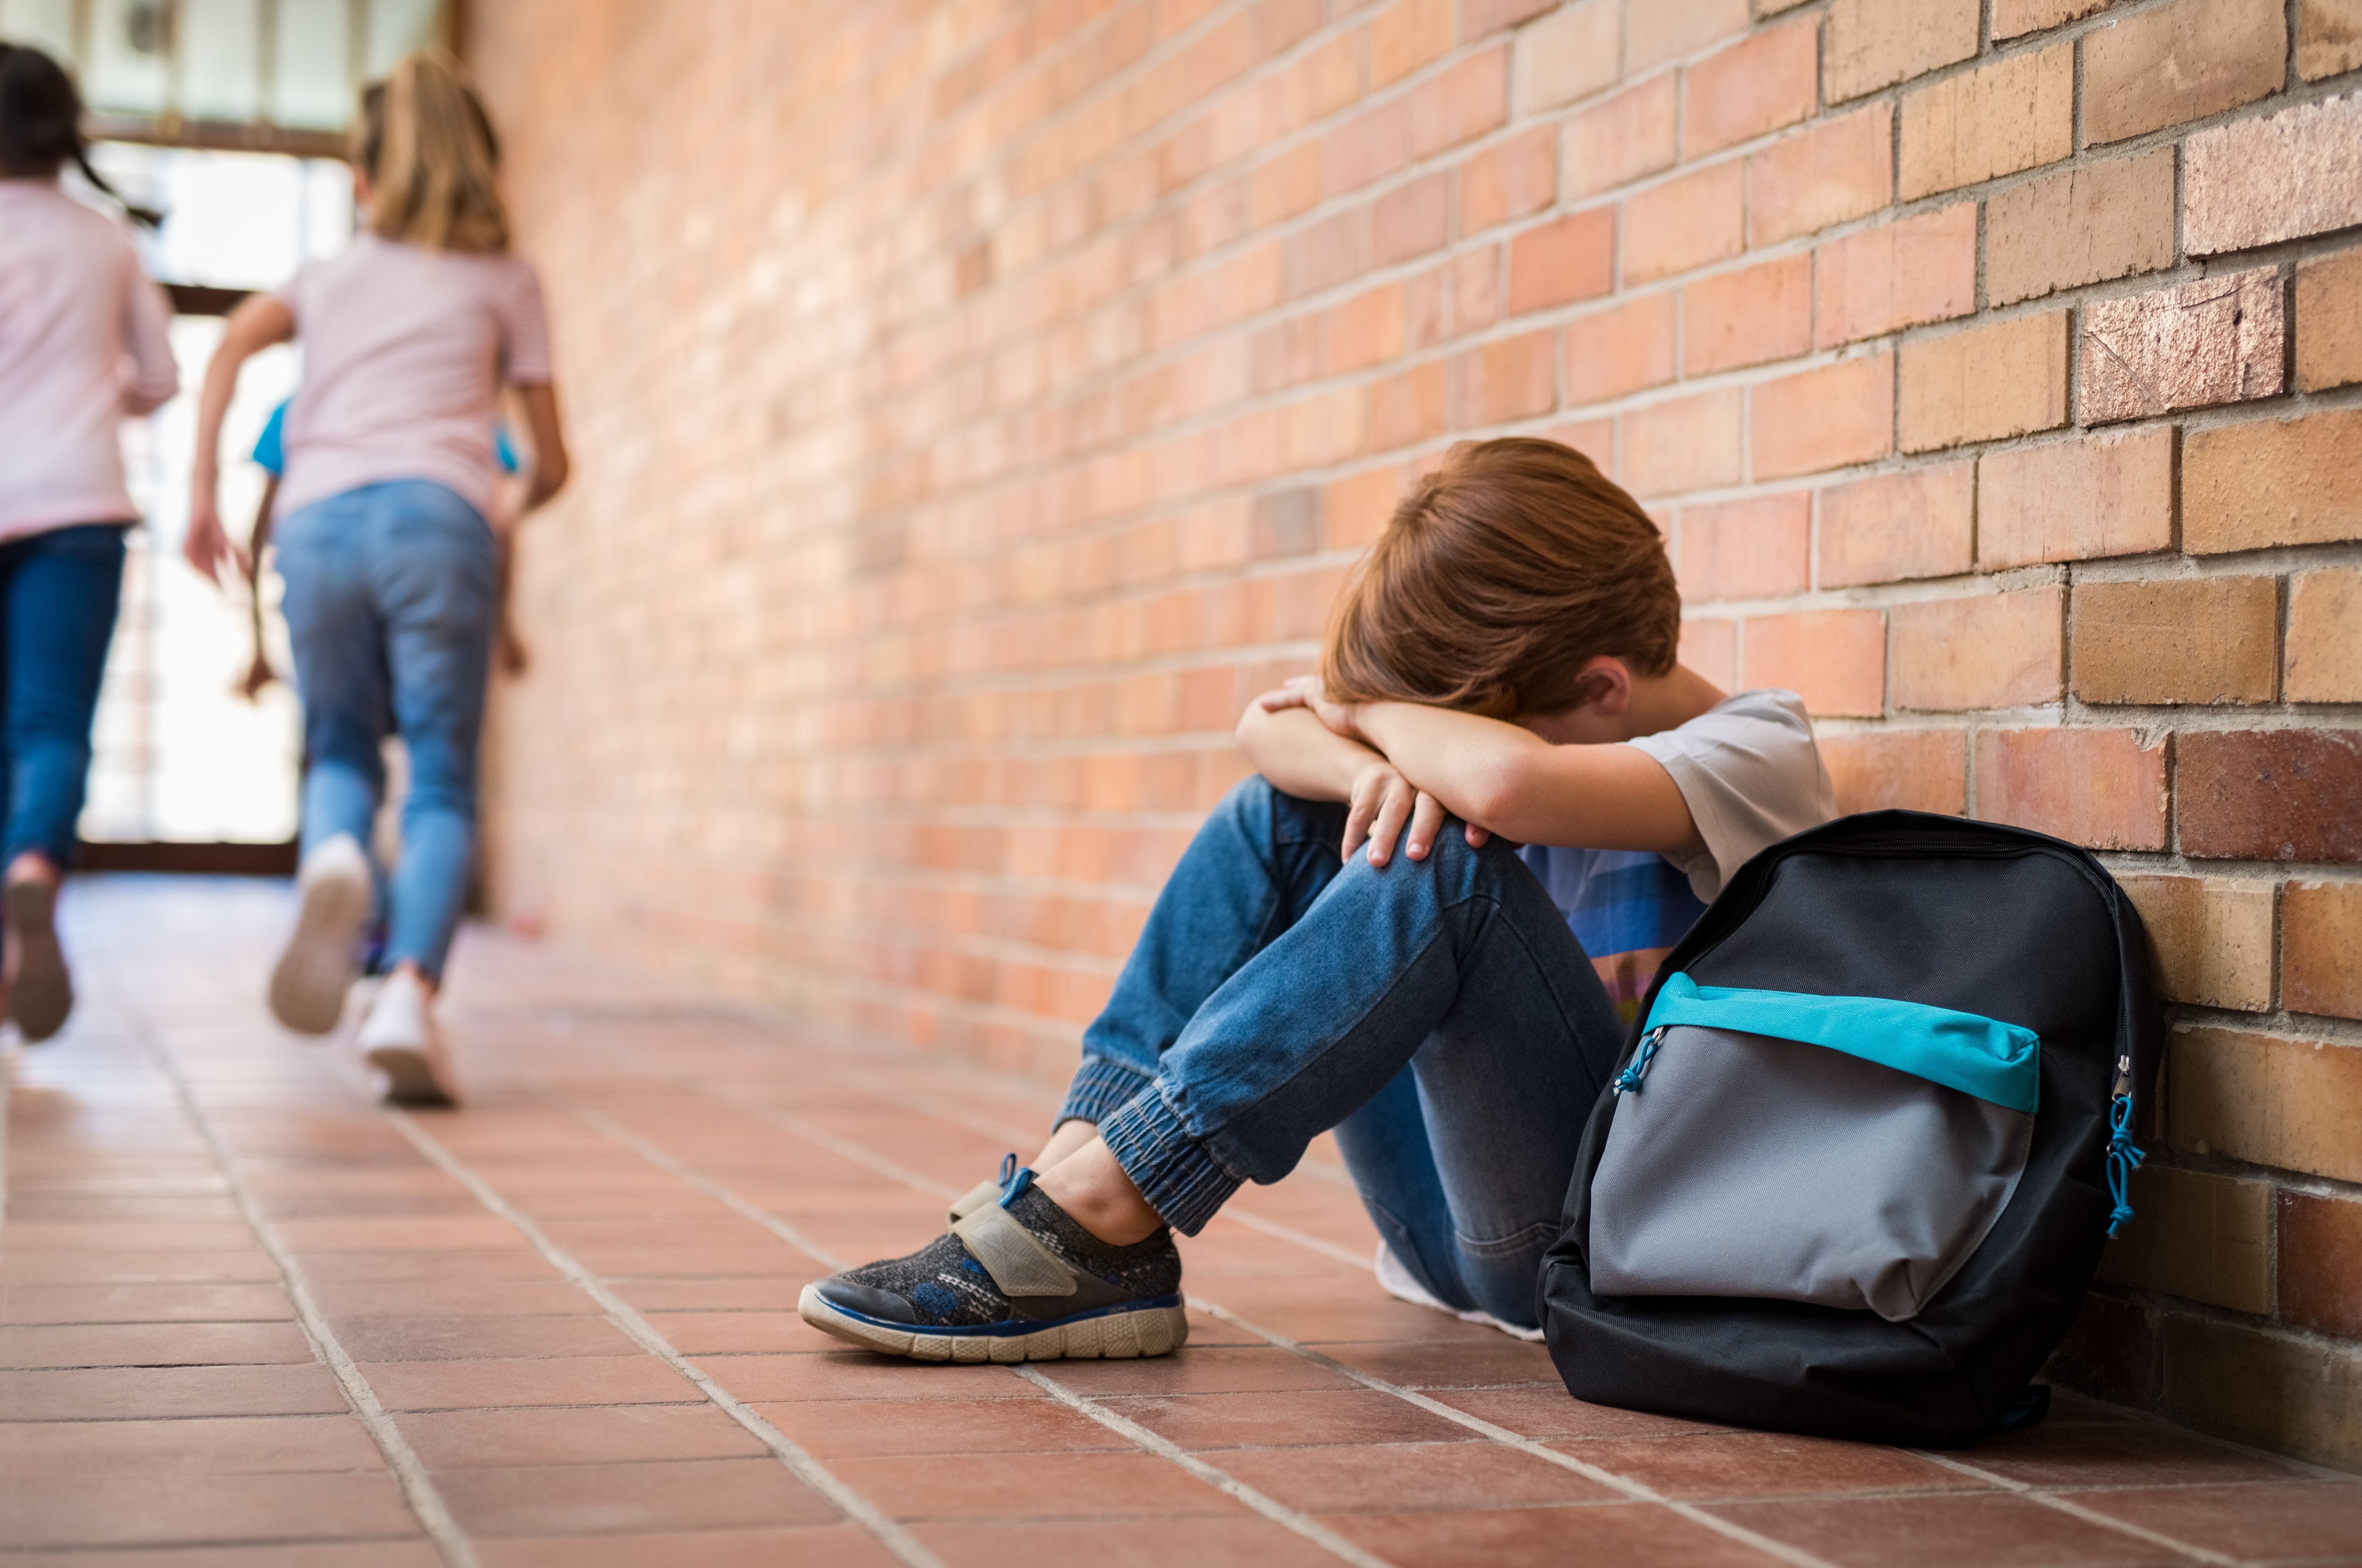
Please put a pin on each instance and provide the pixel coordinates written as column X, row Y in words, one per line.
column 1751, row 776
column 84, row 343
column 405, row 351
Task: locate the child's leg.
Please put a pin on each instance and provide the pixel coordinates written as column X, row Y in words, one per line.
column 1255, row 866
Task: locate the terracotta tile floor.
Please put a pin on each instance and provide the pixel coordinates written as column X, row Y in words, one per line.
column 248, row 1317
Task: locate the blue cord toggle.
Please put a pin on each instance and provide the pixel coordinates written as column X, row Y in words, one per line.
column 2123, row 1158
column 1628, row 1080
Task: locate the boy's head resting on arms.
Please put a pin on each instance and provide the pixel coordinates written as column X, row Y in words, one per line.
column 1515, row 581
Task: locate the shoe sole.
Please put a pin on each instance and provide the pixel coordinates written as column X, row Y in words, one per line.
column 318, row 966
column 410, row 1076
column 1112, row 1336
column 42, row 996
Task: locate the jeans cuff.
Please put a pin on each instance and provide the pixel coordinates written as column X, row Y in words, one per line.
column 1101, row 1088
column 1172, row 1169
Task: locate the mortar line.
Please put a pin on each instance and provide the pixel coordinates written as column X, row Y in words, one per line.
column 1137, row 1435
column 1221, row 1481
column 802, row 1465
column 409, row 1472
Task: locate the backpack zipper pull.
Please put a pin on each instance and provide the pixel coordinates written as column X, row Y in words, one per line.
column 1628, row 1080
column 2123, row 1155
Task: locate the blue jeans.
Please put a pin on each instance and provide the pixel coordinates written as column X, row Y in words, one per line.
column 391, row 605
column 58, row 592
column 1439, row 1014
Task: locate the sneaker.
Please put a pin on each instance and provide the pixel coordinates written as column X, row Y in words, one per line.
column 401, row 1039
column 40, row 993
column 1397, row 1280
column 318, row 964
column 1015, row 1280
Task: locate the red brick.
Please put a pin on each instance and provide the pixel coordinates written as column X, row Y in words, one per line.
column 1509, row 180
column 1405, row 36
column 1480, row 17
column 2083, row 225
column 1831, row 172
column 1876, row 43
column 1711, row 648
column 1571, row 259
column 2076, row 499
column 1686, row 444
column 1620, row 350
column 2207, row 639
column 2101, row 787
column 1667, row 29
column 1757, row 314
column 2256, row 181
column 2014, row 18
column 2270, row 794
column 2324, row 636
column 1894, row 527
column 1569, row 54
column 1408, row 408
column 2272, row 481
column 1898, row 274
column 2004, row 379
column 1985, row 651
column 2266, row 1098
column 1411, row 220
column 2213, row 340
column 2178, row 62
column 1288, row 184
column 2328, row 38
column 2329, row 321
column 1746, row 549
column 1467, row 100
column 1507, row 379
column 1327, row 253
column 2320, row 948
column 1756, row 85
column 2320, row 1263
column 1366, row 329
column 2014, row 114
column 1687, row 222
column 1912, row 771
column 1827, row 418
column 1626, row 138
column 1369, row 147
column 1834, row 660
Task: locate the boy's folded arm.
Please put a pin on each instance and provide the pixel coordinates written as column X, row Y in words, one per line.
column 1299, row 755
column 1506, row 778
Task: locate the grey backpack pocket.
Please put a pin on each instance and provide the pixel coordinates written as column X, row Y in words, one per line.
column 1851, row 1151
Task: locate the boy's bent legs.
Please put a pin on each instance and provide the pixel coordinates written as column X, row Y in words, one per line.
column 1457, row 965
column 1254, row 867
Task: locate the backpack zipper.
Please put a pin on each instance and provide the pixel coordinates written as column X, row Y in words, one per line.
column 1628, row 1080
column 2123, row 1155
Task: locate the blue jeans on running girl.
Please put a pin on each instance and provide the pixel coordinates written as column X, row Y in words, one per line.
column 58, row 592
column 391, row 601
column 1439, row 1014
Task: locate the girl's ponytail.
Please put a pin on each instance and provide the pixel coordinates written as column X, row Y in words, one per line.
column 427, row 147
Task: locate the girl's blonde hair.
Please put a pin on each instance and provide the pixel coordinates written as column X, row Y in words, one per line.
column 428, row 149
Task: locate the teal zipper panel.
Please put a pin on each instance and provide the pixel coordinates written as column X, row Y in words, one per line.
column 1966, row 1051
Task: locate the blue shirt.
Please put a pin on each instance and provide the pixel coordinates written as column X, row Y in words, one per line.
column 271, row 446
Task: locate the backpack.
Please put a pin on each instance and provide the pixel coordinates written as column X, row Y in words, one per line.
column 1868, row 1136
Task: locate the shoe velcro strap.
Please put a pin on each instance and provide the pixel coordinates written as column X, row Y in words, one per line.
column 974, row 1198
column 1014, row 1255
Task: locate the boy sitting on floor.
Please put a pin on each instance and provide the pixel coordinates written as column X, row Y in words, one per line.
column 1502, row 670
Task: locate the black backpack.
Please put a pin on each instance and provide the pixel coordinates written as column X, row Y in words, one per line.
column 1870, row 1131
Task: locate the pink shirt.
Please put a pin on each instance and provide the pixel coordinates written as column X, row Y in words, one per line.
column 405, row 351
column 84, row 343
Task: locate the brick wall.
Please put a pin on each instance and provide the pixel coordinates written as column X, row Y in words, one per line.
column 978, row 401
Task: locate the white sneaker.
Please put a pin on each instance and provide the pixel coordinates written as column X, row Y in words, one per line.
column 401, row 1039
column 320, row 961
column 1397, row 1281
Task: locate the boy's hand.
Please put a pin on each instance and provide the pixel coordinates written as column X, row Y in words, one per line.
column 1382, row 802
column 1306, row 691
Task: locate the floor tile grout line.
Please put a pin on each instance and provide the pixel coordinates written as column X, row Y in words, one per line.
column 889, row 1533
column 1638, row 1491
column 409, row 1472
column 1221, row 1480
column 1498, row 1434
column 2038, row 1495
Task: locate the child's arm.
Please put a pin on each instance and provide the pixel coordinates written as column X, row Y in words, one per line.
column 1604, row 796
column 259, row 673
column 257, row 323
column 1302, row 756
